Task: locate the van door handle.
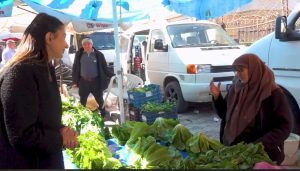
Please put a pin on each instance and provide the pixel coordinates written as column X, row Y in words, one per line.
column 147, row 57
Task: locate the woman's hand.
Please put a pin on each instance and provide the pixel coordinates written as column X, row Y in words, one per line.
column 69, row 137
column 215, row 90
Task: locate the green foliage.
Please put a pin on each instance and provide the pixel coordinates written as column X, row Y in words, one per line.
column 155, row 107
column 138, row 150
column 78, row 117
column 180, row 134
column 240, row 156
column 142, row 144
column 162, row 128
column 141, row 89
column 157, row 156
column 122, row 132
column 140, row 129
column 140, row 139
column 203, row 152
column 200, row 143
column 93, row 153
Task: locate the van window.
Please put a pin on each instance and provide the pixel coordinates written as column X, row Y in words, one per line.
column 198, row 35
column 297, row 25
column 294, row 29
column 156, row 34
column 101, row 40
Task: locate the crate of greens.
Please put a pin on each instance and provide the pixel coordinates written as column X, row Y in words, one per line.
column 152, row 110
column 141, row 95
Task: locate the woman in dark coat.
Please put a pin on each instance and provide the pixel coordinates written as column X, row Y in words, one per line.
column 255, row 109
column 31, row 133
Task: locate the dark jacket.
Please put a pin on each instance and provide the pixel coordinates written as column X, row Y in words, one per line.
column 272, row 124
column 30, row 118
column 103, row 73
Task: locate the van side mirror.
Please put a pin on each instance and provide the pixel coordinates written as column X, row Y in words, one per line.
column 72, row 49
column 281, row 27
column 158, row 44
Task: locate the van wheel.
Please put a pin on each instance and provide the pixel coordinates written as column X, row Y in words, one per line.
column 295, row 113
column 173, row 94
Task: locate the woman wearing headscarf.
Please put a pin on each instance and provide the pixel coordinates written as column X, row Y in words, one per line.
column 31, row 133
column 255, row 108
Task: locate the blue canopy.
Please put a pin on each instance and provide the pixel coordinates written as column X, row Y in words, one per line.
column 204, row 9
column 6, row 7
column 97, row 10
column 88, row 15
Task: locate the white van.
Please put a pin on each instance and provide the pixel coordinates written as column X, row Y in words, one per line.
column 183, row 57
column 280, row 50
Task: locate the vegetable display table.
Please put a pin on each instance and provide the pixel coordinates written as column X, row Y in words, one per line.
column 68, row 164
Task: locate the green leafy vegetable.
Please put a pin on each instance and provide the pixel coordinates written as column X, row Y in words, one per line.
column 162, row 128
column 92, row 153
column 140, row 129
column 155, row 107
column 180, row 134
column 122, row 132
column 77, row 117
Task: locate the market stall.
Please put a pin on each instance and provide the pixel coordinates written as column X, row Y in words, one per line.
column 161, row 144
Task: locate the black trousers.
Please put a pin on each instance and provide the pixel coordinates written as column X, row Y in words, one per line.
column 91, row 86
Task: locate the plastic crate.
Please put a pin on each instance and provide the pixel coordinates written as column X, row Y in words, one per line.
column 150, row 117
column 134, row 114
column 137, row 99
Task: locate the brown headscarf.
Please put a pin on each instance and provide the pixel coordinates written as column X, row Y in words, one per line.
column 244, row 99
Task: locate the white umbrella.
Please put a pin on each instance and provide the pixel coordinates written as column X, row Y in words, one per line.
column 7, row 35
column 18, row 21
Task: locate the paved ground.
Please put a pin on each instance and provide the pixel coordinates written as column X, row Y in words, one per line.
column 201, row 118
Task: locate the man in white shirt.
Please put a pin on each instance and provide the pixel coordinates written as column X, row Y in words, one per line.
column 9, row 51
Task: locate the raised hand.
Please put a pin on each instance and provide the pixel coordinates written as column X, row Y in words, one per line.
column 215, row 90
